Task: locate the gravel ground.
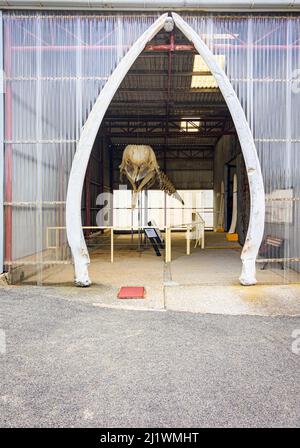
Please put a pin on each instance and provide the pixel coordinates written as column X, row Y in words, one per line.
column 71, row 364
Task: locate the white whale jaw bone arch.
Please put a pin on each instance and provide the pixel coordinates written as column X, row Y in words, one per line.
column 89, row 132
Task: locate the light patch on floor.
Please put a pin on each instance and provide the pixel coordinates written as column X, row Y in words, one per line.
column 235, row 300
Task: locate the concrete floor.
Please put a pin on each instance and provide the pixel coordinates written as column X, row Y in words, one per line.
column 204, row 282
column 218, row 264
column 80, row 357
column 70, row 364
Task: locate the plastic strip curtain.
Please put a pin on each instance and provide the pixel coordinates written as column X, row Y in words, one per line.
column 55, row 65
column 262, row 61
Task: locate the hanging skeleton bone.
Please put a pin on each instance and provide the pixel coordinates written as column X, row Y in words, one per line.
column 140, row 166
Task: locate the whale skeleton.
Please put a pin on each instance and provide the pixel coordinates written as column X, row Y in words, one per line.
column 140, row 166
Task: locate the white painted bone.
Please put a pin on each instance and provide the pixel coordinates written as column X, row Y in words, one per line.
column 83, row 151
column 256, row 185
column 234, row 206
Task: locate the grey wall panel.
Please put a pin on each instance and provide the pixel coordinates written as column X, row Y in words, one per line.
column 1, row 146
column 56, row 65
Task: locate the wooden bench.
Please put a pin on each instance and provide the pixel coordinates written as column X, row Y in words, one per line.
column 272, row 247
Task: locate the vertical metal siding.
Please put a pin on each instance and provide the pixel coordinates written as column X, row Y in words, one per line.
column 57, row 64
column 262, row 60
column 1, row 144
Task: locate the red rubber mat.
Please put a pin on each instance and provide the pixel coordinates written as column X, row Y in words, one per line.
column 131, row 292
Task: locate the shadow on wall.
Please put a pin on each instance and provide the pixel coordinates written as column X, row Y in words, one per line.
column 229, row 160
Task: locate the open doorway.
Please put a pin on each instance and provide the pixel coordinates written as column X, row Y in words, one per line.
column 177, row 120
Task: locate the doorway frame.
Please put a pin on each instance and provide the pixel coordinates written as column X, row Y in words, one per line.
column 90, row 129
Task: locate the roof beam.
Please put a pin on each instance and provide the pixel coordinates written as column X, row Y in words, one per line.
column 179, row 134
column 162, row 5
column 153, row 102
column 193, row 146
column 159, row 118
column 169, row 47
column 147, row 89
column 165, row 73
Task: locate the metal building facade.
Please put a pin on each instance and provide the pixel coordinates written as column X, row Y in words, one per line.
column 57, row 63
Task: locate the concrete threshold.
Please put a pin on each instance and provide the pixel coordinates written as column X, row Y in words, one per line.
column 127, row 307
column 259, row 300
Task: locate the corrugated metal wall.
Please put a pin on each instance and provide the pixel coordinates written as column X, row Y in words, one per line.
column 56, row 66
column 1, row 147
column 262, row 61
